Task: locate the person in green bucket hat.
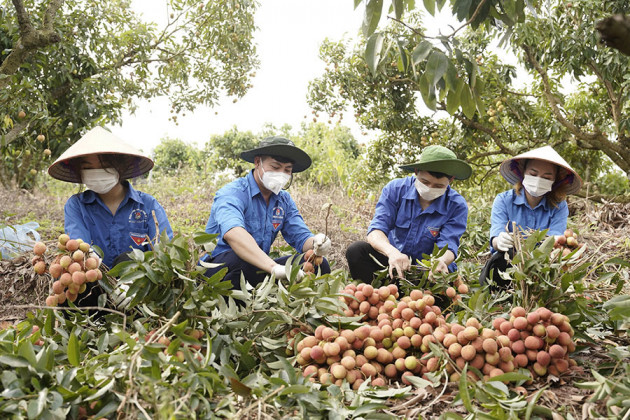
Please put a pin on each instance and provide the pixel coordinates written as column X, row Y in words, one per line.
column 412, row 215
column 249, row 212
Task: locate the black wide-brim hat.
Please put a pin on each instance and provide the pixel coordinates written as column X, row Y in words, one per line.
column 282, row 147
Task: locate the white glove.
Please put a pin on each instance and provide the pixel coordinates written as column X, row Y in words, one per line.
column 505, row 241
column 119, row 295
column 280, row 272
column 93, row 254
column 321, row 245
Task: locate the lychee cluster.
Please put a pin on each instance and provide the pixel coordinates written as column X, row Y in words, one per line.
column 70, row 270
column 396, row 343
column 567, row 242
column 369, row 302
column 311, row 261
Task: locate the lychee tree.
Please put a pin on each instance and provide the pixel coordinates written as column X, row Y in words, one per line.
column 398, row 66
column 70, row 64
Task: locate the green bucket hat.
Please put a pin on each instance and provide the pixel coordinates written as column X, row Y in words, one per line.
column 440, row 159
column 279, row 146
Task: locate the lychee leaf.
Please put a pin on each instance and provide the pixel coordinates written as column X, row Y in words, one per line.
column 73, row 349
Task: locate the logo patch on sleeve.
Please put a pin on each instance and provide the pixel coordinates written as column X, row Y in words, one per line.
column 138, row 238
column 277, row 217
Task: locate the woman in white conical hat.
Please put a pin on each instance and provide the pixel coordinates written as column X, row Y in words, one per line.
column 541, row 180
column 110, row 214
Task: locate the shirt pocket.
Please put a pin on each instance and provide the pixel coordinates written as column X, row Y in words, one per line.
column 402, row 224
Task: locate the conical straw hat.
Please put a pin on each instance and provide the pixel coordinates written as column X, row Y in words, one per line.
column 512, row 169
column 99, row 141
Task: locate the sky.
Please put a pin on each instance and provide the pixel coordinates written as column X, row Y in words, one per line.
column 290, row 34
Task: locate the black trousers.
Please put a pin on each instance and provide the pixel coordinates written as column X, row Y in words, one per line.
column 362, row 266
column 496, row 264
column 252, row 274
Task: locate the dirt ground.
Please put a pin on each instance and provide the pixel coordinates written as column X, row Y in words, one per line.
column 605, row 230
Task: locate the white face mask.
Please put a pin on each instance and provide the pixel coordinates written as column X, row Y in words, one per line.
column 427, row 193
column 274, row 181
column 100, row 181
column 537, row 186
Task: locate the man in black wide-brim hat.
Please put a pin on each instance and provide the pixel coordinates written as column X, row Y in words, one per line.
column 248, row 214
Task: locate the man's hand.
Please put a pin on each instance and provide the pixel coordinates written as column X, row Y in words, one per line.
column 280, row 272
column 321, row 245
column 440, row 268
column 505, row 242
column 399, row 262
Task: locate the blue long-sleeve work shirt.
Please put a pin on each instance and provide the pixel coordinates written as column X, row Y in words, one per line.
column 414, row 231
column 241, row 204
column 88, row 218
column 511, row 207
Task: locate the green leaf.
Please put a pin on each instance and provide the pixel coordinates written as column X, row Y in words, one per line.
column 25, row 349
column 532, row 403
column 102, row 391
column 373, row 52
column 430, row 6
column 398, row 6
column 452, row 416
column 467, row 101
column 369, row 408
column 453, row 98
column 463, row 390
column 73, row 349
column 296, row 389
column 421, row 52
column 372, row 16
column 511, row 377
column 14, row 361
column 403, row 60
column 109, row 408
column 202, row 238
column 35, row 407
column 418, row 382
column 436, row 66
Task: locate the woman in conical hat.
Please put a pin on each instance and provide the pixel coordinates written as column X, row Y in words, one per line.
column 110, row 214
column 541, row 180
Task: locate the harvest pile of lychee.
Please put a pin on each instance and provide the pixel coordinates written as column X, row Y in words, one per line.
column 71, row 268
column 567, row 242
column 395, row 339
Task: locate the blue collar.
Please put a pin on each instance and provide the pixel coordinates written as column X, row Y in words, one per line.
column 520, row 200
column 253, row 186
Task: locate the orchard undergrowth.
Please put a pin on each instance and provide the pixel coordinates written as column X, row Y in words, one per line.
column 189, row 347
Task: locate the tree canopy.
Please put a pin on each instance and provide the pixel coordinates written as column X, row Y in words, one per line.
column 397, row 64
column 66, row 65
